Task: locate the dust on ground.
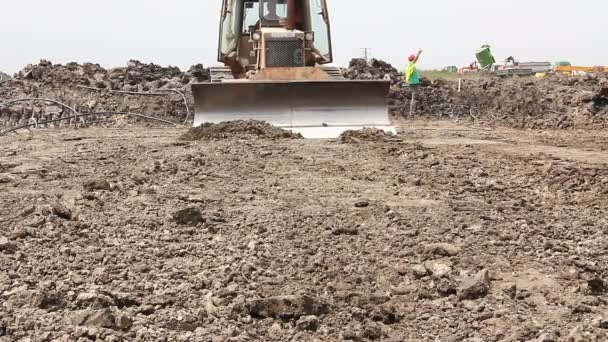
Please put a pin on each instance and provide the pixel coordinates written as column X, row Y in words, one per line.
column 238, row 129
column 456, row 233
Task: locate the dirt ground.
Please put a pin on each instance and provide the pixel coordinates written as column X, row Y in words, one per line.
column 449, row 233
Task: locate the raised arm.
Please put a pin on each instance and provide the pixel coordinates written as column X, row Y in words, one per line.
column 418, row 56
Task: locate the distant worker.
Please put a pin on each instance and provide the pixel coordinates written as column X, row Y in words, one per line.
column 412, row 77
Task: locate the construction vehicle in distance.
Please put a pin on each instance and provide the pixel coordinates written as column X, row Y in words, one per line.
column 275, row 55
column 485, row 59
column 510, row 67
column 573, row 69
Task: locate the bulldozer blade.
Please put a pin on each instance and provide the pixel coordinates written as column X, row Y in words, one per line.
column 316, row 109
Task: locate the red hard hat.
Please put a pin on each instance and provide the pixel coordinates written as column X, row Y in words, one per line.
column 411, row 58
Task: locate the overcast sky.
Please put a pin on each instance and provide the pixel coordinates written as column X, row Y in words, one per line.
column 184, row 32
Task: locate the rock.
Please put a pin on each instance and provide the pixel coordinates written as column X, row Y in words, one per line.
column 199, row 72
column 309, row 323
column 438, row 268
column 20, row 233
column 97, row 184
column 29, row 210
column 379, row 297
column 286, row 307
column 188, row 324
column 373, row 331
column 265, row 153
column 115, row 74
column 209, row 306
column 420, row 271
column 350, row 334
column 102, row 319
column 581, row 309
column 441, row 249
column 61, row 211
column 475, row 288
column 123, row 322
column 575, row 335
column 591, row 301
column 604, row 323
column 546, row 337
column 93, row 301
column 403, row 289
column 49, row 300
column 596, row 285
column 6, row 246
column 402, row 269
column 275, row 331
column 362, row 204
column 4, row 178
column 345, row 231
column 446, row 288
column 189, row 216
column 385, row 314
column 510, row 289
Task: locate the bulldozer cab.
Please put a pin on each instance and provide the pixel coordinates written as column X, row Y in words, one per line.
column 244, row 24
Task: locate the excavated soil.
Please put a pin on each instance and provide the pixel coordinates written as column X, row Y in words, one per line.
column 367, row 134
column 238, row 129
column 555, row 101
column 455, row 233
column 139, row 88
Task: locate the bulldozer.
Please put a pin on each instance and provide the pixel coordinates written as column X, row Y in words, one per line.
column 276, row 56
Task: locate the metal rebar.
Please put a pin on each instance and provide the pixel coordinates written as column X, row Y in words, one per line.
column 122, row 91
column 160, row 92
column 10, row 102
column 14, row 129
column 136, row 114
column 185, row 101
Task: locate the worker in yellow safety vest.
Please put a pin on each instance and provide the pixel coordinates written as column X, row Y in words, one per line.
column 412, row 77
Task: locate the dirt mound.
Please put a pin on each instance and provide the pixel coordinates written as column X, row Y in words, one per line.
column 138, row 87
column 238, row 129
column 4, row 77
column 367, row 134
column 360, row 69
column 136, row 76
column 555, row 101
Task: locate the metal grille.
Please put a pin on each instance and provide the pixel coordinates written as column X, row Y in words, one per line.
column 284, row 53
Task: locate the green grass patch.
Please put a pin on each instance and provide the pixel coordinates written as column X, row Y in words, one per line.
column 450, row 76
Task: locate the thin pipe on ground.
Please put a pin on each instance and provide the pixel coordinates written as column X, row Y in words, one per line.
column 14, row 129
column 160, row 92
column 10, row 102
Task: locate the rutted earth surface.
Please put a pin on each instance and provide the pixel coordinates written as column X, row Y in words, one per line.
column 444, row 233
